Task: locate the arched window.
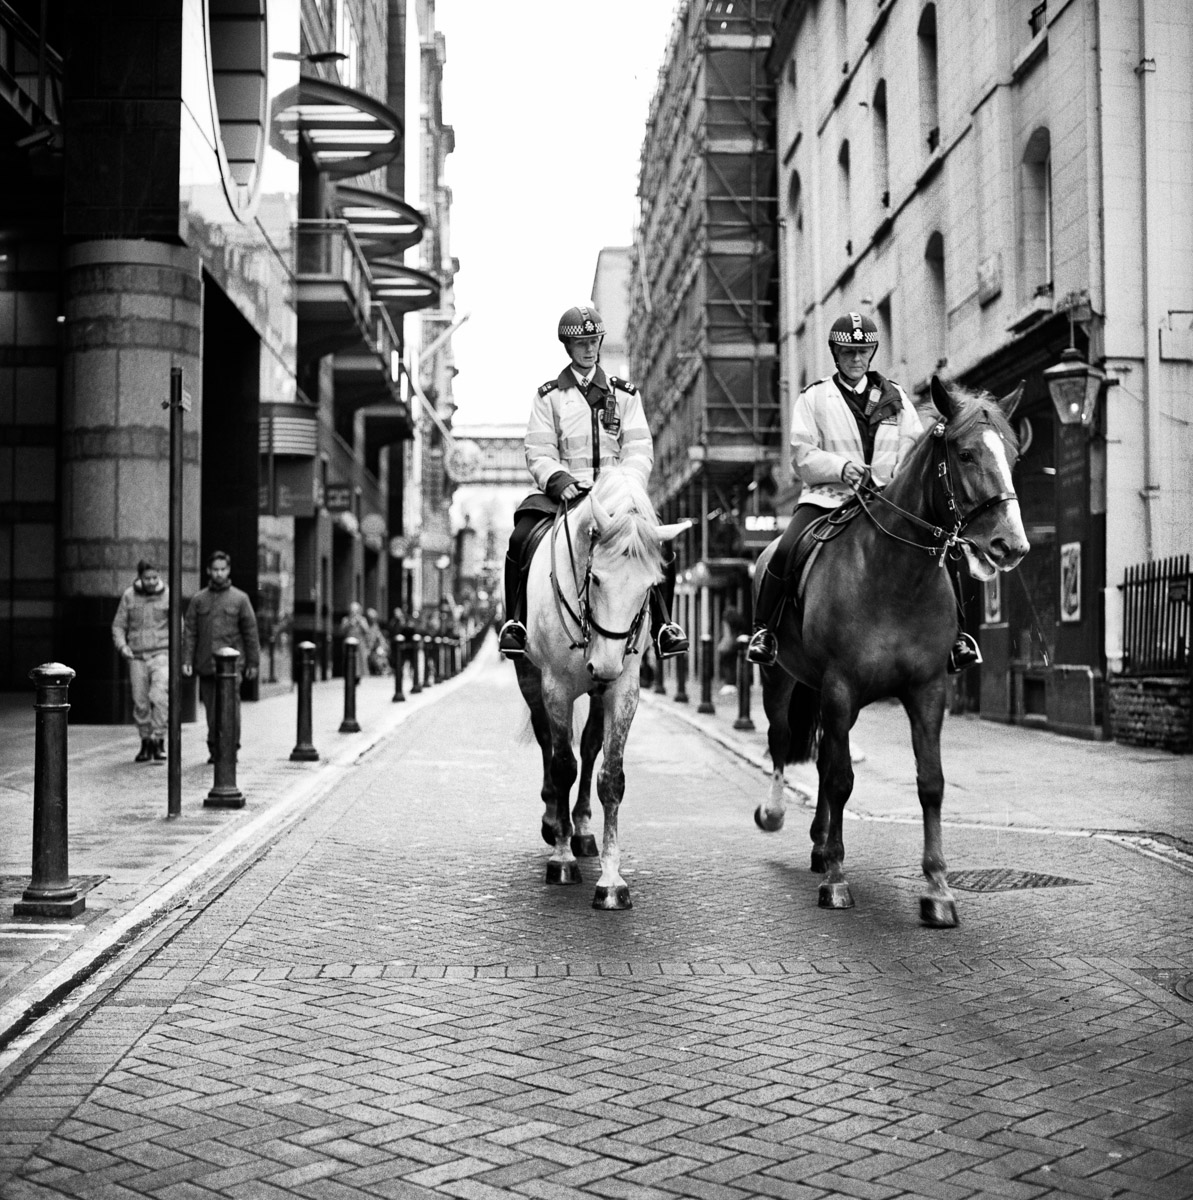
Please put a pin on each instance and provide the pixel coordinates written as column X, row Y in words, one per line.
column 797, row 246
column 844, row 223
column 882, row 154
column 843, row 35
column 929, row 98
column 936, row 332
column 1036, row 240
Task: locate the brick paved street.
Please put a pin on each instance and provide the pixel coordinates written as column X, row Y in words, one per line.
column 390, row 1002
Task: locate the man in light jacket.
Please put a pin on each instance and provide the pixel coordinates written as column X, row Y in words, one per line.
column 219, row 616
column 141, row 633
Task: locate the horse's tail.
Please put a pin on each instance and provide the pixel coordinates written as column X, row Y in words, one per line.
column 803, row 723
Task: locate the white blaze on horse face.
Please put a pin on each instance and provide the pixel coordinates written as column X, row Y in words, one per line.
column 1010, row 527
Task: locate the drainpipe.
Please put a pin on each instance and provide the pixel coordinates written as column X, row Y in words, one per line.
column 1149, row 153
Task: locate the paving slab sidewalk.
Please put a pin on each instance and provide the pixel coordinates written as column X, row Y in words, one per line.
column 133, row 861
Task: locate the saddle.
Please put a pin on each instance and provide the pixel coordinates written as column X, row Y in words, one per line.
column 807, row 547
column 544, row 509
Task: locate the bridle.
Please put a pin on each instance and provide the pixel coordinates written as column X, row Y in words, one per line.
column 584, row 620
column 945, row 535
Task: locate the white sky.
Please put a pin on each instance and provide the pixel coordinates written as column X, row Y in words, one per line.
column 548, row 99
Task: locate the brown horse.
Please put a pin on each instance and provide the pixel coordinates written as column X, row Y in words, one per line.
column 876, row 618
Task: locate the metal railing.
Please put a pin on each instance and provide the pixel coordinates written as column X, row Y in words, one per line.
column 30, row 70
column 328, row 250
column 1156, row 617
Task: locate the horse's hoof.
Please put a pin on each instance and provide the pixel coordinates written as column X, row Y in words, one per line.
column 548, row 833
column 938, row 913
column 564, row 872
column 584, row 845
column 612, row 899
column 818, row 861
column 767, row 824
column 835, row 895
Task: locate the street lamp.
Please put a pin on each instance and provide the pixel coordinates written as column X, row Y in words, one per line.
column 1074, row 384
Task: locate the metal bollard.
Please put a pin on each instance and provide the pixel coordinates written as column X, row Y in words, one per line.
column 706, row 666
column 428, row 650
column 350, row 724
column 304, row 750
column 681, row 679
column 50, row 893
column 415, row 682
column 224, row 792
column 745, row 675
column 660, row 688
column 397, row 656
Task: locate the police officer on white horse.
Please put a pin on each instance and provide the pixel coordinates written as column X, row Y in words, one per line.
column 580, row 422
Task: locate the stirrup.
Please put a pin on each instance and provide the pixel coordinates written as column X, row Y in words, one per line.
column 671, row 641
column 763, row 649
column 511, row 641
column 964, row 654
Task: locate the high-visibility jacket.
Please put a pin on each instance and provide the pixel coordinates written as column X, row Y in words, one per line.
column 565, row 425
column 825, row 437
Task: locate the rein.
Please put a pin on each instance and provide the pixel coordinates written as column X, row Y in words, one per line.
column 943, row 539
column 584, row 620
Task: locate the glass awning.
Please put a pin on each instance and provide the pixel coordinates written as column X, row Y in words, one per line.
column 346, row 132
column 382, row 222
column 402, row 289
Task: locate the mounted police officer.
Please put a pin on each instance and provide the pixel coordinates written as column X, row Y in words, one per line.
column 580, row 422
column 850, row 428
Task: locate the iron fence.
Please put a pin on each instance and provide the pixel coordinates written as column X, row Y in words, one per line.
column 1156, row 617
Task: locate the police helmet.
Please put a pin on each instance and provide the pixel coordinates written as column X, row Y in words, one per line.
column 853, row 329
column 581, row 320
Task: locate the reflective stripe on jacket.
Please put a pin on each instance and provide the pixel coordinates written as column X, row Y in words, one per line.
column 559, row 434
column 825, row 437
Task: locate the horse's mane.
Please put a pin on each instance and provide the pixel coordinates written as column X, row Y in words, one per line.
column 634, row 528
column 970, row 408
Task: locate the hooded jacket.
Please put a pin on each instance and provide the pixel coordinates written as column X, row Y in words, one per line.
column 142, row 621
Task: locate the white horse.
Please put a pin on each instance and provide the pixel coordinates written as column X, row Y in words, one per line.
column 587, row 625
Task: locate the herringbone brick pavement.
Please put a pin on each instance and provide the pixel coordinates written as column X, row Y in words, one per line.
column 390, row 1003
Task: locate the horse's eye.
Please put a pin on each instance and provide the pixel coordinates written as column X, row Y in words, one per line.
column 595, row 580
column 966, row 456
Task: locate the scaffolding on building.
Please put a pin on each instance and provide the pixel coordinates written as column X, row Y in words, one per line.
column 704, row 287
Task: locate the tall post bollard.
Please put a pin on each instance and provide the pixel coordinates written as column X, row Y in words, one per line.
column 744, row 680
column 706, row 665
column 224, row 792
column 50, row 893
column 415, row 682
column 397, row 655
column 681, row 679
column 304, row 749
column 350, row 724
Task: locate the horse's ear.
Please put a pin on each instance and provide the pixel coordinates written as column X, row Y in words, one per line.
column 667, row 532
column 600, row 514
column 1010, row 402
column 941, row 398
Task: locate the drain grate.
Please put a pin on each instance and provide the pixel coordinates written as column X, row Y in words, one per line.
column 997, row 879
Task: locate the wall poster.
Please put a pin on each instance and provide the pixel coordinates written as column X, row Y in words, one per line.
column 1070, row 581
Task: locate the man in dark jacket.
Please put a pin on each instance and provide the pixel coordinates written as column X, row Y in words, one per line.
column 219, row 616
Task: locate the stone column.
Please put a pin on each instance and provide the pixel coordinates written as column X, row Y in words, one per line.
column 133, row 310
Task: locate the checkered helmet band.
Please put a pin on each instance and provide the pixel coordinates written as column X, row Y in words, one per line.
column 853, row 329
column 581, row 320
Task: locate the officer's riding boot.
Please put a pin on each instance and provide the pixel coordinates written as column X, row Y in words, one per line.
column 669, row 638
column 511, row 641
column 964, row 654
column 763, row 648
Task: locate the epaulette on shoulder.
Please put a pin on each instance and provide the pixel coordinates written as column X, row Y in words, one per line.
column 548, row 387
column 624, row 384
column 815, row 383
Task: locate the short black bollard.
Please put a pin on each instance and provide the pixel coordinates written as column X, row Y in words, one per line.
column 397, row 655
column 350, row 724
column 428, row 666
column 681, row 679
column 744, row 680
column 50, row 893
column 660, row 688
column 706, row 665
column 224, row 792
column 304, row 750
column 415, row 680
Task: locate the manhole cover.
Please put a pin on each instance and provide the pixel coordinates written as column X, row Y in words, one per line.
column 995, row 879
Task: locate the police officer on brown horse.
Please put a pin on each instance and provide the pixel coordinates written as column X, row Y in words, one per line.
column 580, row 422
column 851, row 428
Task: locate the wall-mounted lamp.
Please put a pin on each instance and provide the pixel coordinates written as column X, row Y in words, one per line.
column 317, row 56
column 1073, row 384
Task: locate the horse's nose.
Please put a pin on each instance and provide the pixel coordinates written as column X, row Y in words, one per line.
column 1010, row 551
column 601, row 676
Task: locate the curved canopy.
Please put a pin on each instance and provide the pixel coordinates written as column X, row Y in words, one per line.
column 382, row 222
column 402, row 289
column 346, row 132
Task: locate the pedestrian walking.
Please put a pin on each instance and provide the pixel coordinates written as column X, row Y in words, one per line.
column 219, row 617
column 141, row 633
column 579, row 422
column 378, row 644
column 354, row 624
